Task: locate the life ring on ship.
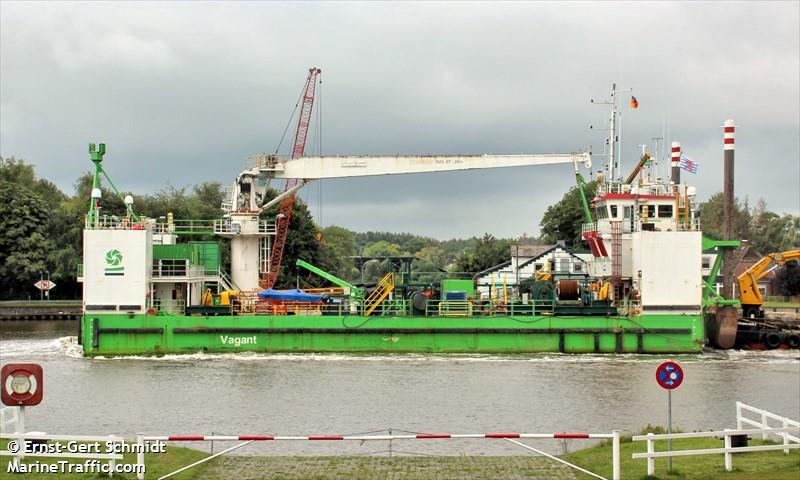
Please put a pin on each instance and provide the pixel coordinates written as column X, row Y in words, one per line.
column 153, row 311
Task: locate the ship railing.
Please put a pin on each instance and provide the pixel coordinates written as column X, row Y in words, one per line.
column 455, row 308
column 182, row 271
column 393, row 307
column 163, row 305
column 249, row 303
column 629, row 306
column 114, row 222
column 285, row 308
column 184, row 227
column 691, row 226
column 228, row 227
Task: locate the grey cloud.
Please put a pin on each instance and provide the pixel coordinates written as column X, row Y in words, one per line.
column 184, row 92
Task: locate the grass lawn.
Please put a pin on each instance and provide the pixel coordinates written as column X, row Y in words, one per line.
column 772, row 465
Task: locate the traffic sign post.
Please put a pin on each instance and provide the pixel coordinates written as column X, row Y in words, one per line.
column 45, row 286
column 669, row 376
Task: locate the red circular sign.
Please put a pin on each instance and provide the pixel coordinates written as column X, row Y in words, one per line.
column 669, row 375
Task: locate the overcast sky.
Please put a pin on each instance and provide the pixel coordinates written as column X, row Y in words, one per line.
column 183, row 92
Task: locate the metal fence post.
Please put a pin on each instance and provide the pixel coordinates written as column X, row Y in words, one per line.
column 615, row 473
column 20, row 428
column 140, row 456
column 651, row 462
column 728, row 455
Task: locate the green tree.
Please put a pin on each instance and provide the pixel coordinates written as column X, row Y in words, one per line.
column 710, row 213
column 24, row 240
column 382, row 248
column 205, row 202
column 337, row 245
column 788, row 278
column 487, row 253
column 433, row 256
column 771, row 232
column 563, row 220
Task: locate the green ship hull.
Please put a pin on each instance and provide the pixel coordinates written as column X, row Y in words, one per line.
column 117, row 334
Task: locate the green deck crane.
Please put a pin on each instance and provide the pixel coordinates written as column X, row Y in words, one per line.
column 355, row 293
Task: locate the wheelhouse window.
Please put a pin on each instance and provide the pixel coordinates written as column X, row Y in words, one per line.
column 614, row 211
column 600, row 213
column 665, row 211
column 647, row 211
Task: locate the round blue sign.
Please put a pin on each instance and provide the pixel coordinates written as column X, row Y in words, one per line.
column 669, row 375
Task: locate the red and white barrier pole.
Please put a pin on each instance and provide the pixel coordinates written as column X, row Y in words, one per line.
column 365, row 438
column 248, row 439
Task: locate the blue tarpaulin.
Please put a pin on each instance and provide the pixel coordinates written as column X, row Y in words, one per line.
column 290, row 296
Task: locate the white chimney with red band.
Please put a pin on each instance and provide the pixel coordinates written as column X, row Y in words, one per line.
column 676, row 162
column 730, row 134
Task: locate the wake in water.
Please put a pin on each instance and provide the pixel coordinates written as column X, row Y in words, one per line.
column 39, row 347
column 68, row 347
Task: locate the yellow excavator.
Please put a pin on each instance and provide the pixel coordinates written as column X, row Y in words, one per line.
column 749, row 293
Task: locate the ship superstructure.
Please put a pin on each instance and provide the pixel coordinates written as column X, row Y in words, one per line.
column 146, row 291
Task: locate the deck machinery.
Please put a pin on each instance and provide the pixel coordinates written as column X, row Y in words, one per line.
column 146, row 292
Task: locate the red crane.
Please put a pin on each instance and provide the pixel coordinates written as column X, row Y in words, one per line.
column 269, row 278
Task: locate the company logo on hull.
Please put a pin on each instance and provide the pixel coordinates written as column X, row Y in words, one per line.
column 114, row 261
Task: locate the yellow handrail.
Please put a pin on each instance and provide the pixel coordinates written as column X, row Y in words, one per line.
column 382, row 290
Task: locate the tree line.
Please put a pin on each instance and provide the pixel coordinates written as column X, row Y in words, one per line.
column 41, row 231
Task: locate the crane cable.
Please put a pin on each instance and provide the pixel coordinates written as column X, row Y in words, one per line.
column 299, row 99
column 319, row 148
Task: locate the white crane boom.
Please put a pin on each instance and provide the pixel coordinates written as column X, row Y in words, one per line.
column 310, row 168
column 315, row 168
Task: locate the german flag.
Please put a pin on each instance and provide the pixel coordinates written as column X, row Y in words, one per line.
column 634, row 102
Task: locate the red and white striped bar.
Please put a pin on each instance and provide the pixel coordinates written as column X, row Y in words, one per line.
column 676, row 154
column 364, row 438
column 730, row 134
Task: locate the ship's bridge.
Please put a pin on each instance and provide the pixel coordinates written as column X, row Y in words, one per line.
column 655, row 207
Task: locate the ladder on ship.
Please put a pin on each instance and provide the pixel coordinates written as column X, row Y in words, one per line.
column 382, row 290
column 682, row 210
column 616, row 260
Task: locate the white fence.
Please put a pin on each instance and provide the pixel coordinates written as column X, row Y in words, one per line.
column 784, row 432
column 35, row 444
column 763, row 422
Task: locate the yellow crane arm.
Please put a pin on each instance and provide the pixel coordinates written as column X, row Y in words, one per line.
column 749, row 294
column 642, row 162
